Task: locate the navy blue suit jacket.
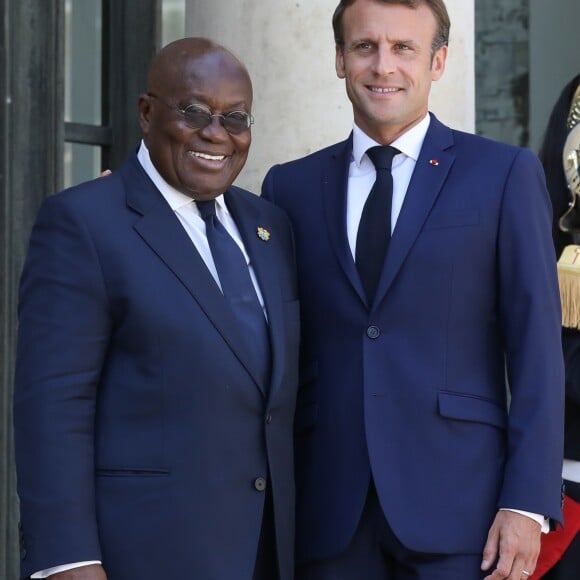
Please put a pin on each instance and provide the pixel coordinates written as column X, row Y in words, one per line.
column 412, row 388
column 140, row 426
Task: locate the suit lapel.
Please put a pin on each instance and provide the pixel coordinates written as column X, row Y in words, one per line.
column 428, row 178
column 334, row 184
column 264, row 260
column 162, row 231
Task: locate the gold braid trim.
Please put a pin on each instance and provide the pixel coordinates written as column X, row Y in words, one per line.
column 569, row 282
column 569, row 262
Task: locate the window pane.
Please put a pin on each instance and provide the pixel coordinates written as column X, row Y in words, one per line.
column 173, row 23
column 81, row 163
column 83, row 49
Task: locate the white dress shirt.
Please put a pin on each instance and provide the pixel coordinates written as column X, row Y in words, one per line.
column 186, row 211
column 362, row 174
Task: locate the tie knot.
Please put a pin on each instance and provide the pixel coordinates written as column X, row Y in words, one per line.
column 382, row 156
column 206, row 208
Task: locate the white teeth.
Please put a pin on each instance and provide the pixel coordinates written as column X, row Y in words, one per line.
column 207, row 156
column 383, row 91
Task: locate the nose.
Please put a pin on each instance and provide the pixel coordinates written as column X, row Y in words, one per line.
column 384, row 63
column 215, row 130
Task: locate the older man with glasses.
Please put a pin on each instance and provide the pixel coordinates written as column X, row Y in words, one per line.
column 157, row 358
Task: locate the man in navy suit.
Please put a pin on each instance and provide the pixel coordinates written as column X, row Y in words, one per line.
column 410, row 462
column 153, row 426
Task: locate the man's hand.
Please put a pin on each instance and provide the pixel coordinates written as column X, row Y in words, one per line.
column 92, row 572
column 514, row 542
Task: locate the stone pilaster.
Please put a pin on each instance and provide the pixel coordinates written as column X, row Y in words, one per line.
column 30, row 168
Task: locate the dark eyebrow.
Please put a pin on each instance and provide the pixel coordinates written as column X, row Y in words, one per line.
column 354, row 43
column 235, row 107
column 409, row 41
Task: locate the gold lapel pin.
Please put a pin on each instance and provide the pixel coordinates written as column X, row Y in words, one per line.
column 263, row 234
column 434, row 162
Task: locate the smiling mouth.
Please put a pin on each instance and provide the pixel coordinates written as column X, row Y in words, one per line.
column 207, row 156
column 383, row 91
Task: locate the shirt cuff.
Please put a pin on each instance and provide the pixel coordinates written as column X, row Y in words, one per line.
column 63, row 568
column 544, row 522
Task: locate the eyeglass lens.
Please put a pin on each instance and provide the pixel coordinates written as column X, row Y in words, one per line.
column 234, row 122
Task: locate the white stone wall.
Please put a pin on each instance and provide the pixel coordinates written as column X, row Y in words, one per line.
column 299, row 103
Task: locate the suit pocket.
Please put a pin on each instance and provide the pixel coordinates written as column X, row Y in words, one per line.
column 465, row 407
column 456, row 219
column 131, row 472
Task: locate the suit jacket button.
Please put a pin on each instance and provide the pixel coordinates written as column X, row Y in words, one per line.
column 260, row 484
column 373, row 332
column 268, row 418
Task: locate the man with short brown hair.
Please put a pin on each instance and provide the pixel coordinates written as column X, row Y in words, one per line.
column 426, row 269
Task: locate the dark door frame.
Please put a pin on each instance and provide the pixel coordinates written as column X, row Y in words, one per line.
column 32, row 140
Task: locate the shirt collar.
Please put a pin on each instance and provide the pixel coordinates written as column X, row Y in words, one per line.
column 409, row 143
column 174, row 198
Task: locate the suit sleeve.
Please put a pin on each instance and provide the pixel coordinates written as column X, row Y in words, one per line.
column 531, row 325
column 63, row 336
column 268, row 185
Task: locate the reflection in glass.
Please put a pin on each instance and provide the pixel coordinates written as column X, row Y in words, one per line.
column 82, row 84
column 83, row 49
column 173, row 20
column 81, row 163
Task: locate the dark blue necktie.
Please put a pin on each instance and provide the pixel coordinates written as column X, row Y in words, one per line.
column 238, row 289
column 374, row 231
